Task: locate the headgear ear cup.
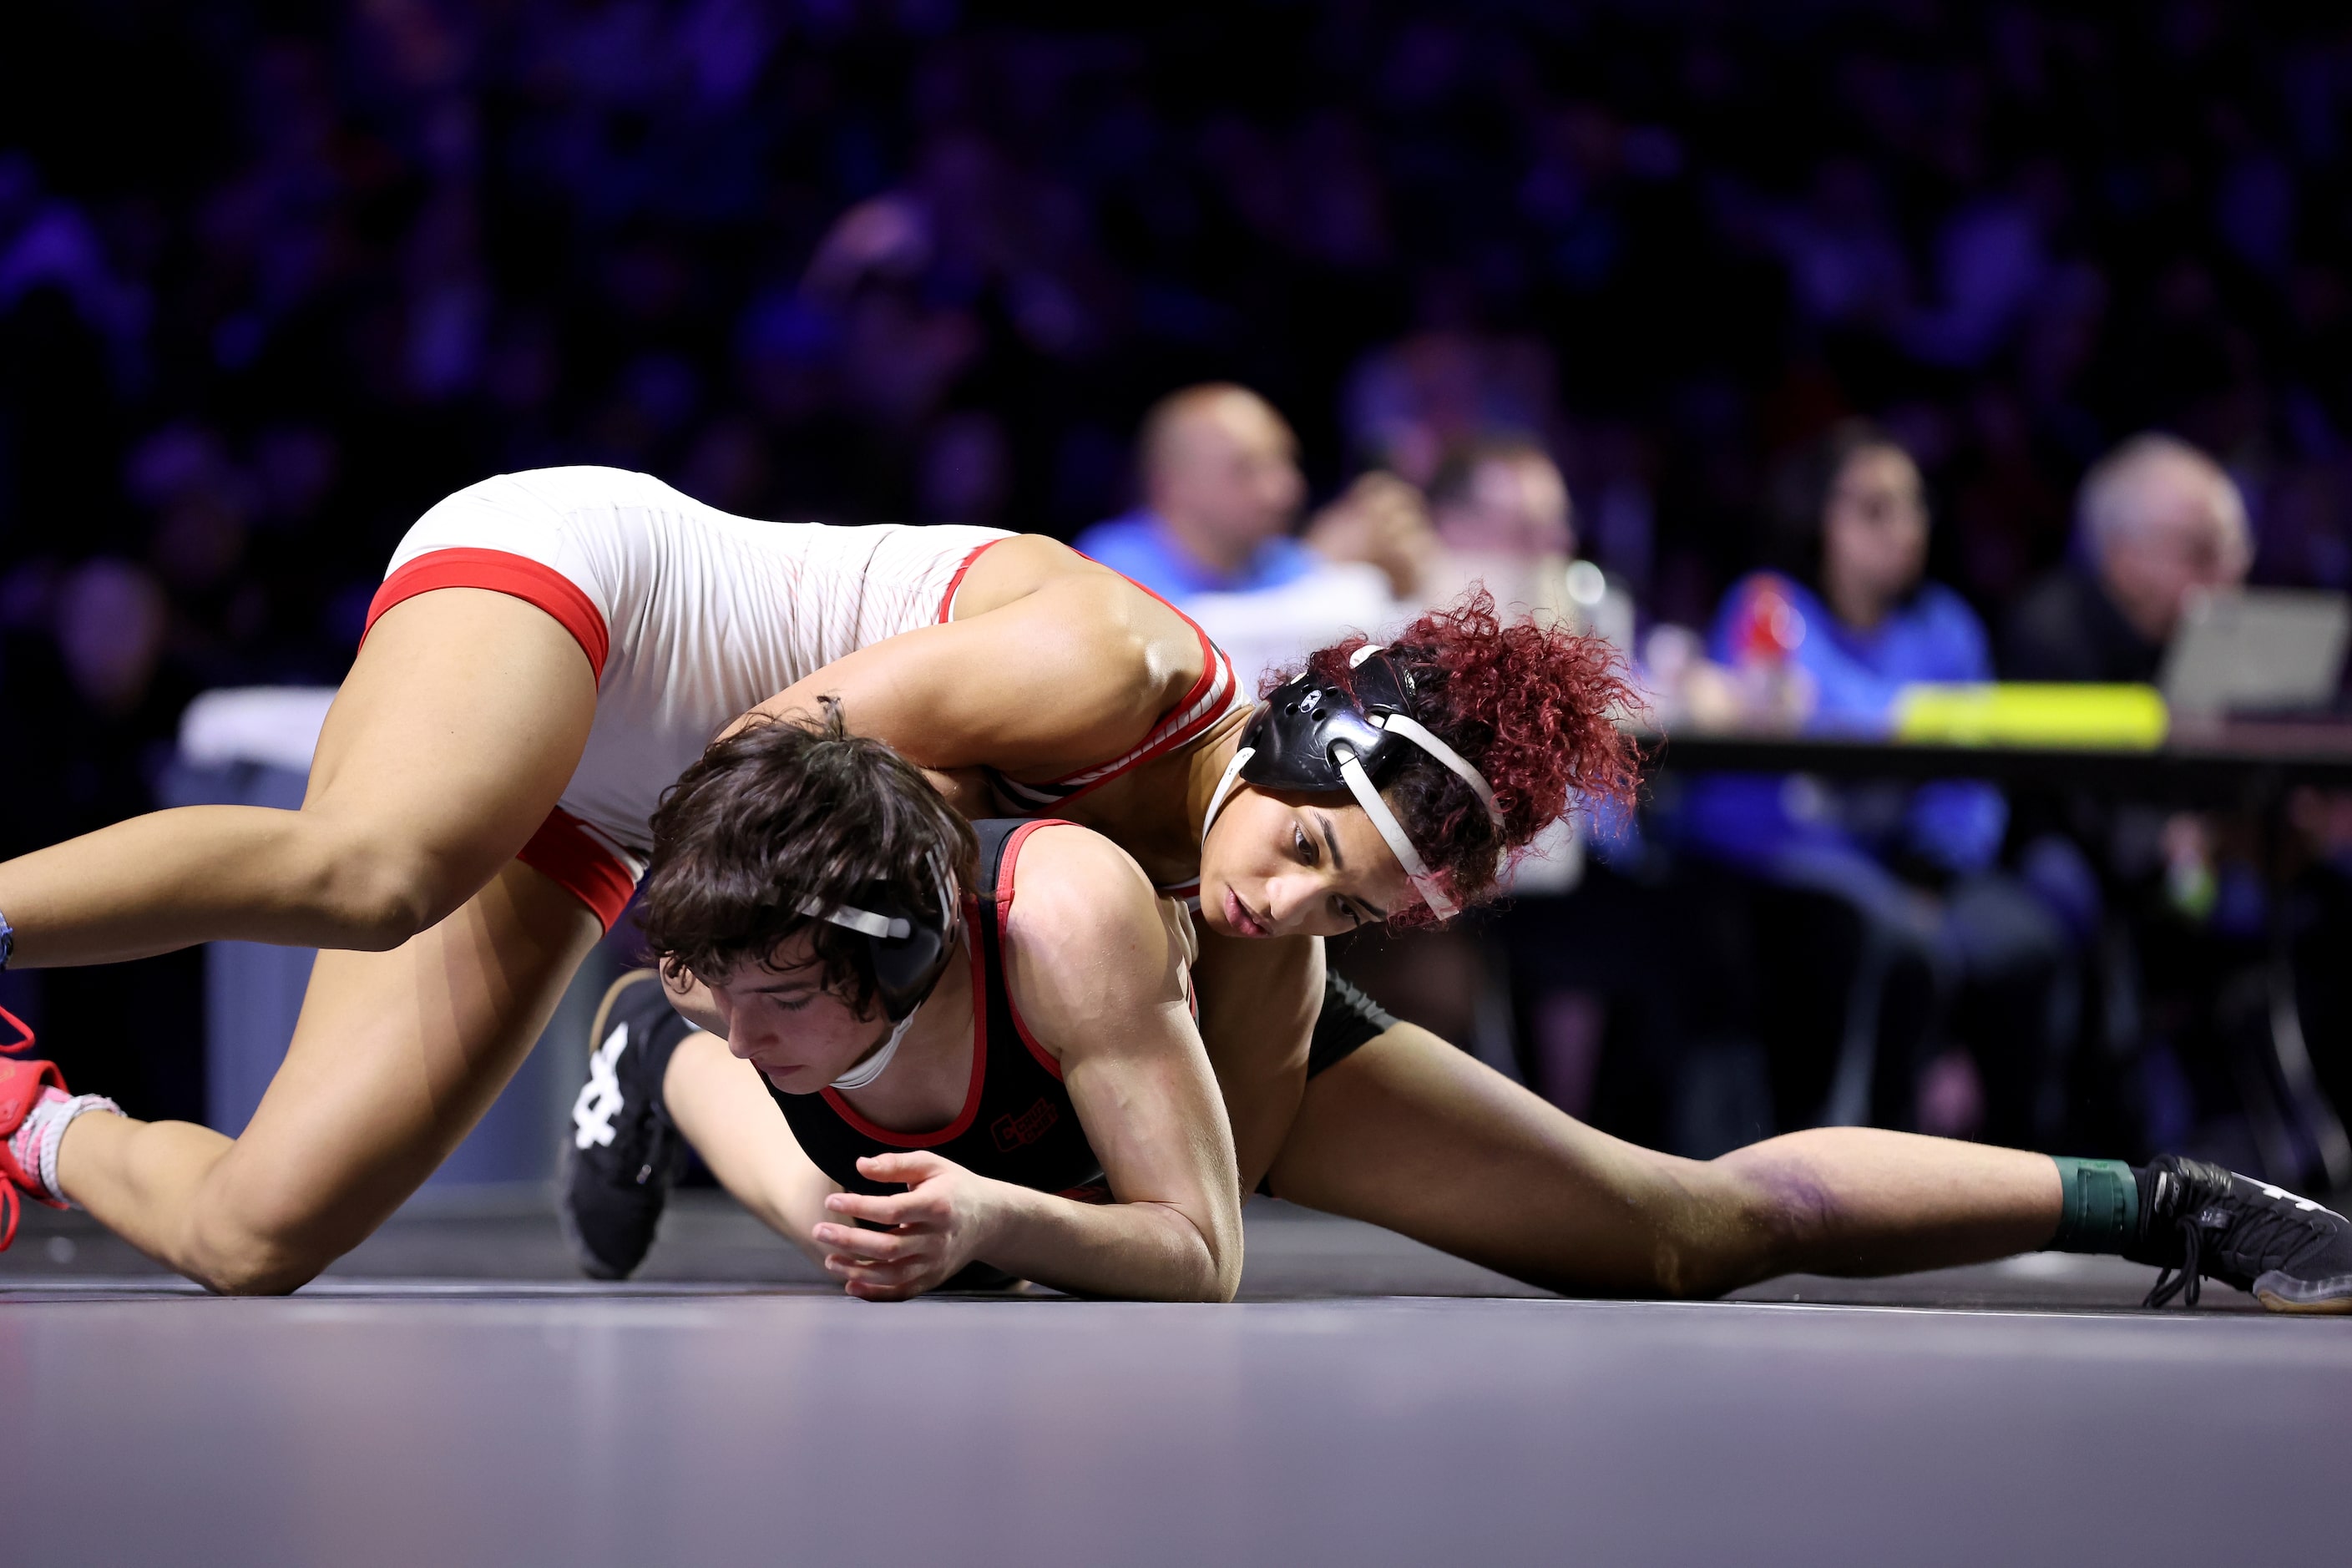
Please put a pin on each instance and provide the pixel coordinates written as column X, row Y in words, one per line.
column 907, row 947
column 906, row 969
column 1316, row 738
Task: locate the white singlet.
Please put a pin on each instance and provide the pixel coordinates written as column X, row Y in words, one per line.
column 689, row 615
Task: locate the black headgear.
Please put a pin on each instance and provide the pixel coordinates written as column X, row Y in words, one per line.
column 1295, row 736
column 1313, row 736
column 907, row 947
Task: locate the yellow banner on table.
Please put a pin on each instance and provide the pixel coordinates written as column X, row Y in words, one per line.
column 2118, row 717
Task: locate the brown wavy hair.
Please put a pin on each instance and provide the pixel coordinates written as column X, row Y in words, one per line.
column 782, row 813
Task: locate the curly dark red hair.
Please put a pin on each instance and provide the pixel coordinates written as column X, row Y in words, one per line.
column 1532, row 707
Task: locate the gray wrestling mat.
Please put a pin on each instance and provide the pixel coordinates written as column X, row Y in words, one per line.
column 451, row 1395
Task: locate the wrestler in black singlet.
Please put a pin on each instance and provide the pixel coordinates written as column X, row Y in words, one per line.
column 1017, row 1124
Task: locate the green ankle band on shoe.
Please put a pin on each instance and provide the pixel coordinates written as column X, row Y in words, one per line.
column 2099, row 1205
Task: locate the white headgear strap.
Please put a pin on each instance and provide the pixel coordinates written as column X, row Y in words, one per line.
column 1360, row 785
column 1232, row 775
column 890, row 928
column 856, row 920
column 1413, row 729
column 894, row 929
column 866, row 1071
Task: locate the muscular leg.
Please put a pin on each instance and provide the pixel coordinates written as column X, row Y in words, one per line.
column 457, row 729
column 1258, row 998
column 397, row 1054
column 1409, row 1133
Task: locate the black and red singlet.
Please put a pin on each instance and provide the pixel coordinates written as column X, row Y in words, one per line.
column 1017, row 1123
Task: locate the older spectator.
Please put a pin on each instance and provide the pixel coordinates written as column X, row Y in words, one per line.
column 1219, row 470
column 2156, row 520
column 1502, row 512
column 1221, row 489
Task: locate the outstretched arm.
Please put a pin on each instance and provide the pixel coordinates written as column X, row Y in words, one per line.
column 1259, row 997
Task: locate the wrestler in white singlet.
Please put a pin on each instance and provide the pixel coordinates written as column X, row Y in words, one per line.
column 690, row 618
column 690, row 615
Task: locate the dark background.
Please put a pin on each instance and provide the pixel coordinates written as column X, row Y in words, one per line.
column 276, row 276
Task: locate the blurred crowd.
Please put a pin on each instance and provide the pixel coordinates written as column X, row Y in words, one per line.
column 1307, row 313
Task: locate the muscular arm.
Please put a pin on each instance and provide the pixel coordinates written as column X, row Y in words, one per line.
column 1099, row 978
column 726, row 1112
column 1075, row 669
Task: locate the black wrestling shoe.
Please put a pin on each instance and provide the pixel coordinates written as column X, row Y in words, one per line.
column 623, row 1152
column 2293, row 1255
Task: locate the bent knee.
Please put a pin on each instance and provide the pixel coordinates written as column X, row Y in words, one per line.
column 276, row 1279
column 241, row 1261
column 268, row 1239
column 373, row 892
column 1714, row 1231
column 1777, row 1214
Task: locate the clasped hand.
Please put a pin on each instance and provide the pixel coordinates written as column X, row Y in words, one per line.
column 933, row 1228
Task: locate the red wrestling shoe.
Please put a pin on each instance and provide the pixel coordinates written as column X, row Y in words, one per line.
column 24, row 1084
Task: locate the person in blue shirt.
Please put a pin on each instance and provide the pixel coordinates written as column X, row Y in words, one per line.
column 1910, row 873
column 1222, row 487
column 1221, row 483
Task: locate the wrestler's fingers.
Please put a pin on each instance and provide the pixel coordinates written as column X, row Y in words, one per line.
column 855, row 1241
column 849, row 1266
column 897, row 1208
column 910, row 1166
column 876, row 1276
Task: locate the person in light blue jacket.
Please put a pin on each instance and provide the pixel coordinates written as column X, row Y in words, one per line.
column 1912, row 871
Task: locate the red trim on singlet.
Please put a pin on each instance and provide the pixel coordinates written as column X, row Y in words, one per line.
column 947, row 600
column 577, row 859
column 1208, row 652
column 1179, row 731
column 962, row 1122
column 1004, row 866
column 500, row 571
column 1212, row 657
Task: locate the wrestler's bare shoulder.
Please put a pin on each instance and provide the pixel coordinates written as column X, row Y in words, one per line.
column 1017, row 567
column 1087, row 927
column 1090, row 598
column 1050, row 664
column 1071, row 880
